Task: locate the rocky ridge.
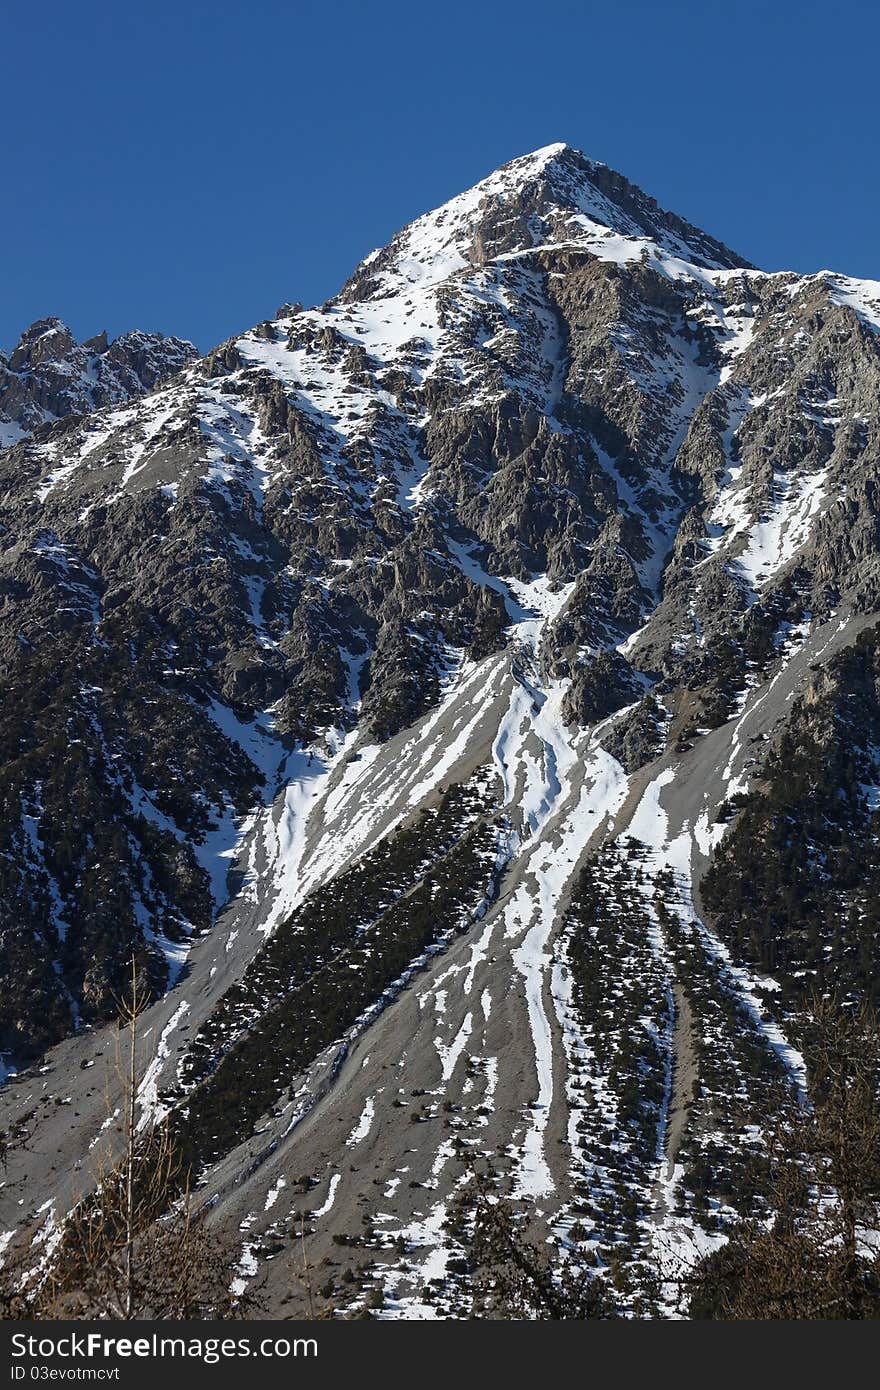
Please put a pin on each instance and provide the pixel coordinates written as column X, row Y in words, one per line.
column 48, row 376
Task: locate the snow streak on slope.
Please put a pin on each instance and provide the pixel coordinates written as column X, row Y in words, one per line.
column 650, row 825
column 773, row 539
column 863, row 296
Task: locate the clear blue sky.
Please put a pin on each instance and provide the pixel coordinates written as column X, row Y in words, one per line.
column 188, row 166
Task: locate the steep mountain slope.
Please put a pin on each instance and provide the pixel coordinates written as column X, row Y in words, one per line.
column 432, row 639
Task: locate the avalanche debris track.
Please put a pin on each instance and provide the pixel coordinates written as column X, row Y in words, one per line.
column 559, row 793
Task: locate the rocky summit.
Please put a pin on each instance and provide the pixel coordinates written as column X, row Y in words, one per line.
column 461, row 700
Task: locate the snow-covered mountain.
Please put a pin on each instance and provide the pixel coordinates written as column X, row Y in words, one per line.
column 431, row 648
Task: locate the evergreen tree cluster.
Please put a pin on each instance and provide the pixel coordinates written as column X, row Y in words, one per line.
column 793, row 886
column 335, row 959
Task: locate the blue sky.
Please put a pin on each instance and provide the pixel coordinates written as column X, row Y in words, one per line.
column 187, row 166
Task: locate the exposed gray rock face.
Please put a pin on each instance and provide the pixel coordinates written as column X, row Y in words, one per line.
column 50, row 376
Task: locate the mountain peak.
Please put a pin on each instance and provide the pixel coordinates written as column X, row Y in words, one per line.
column 525, row 165
column 44, row 340
column 448, row 645
column 553, row 195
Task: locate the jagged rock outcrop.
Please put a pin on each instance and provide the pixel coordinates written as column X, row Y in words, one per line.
column 48, row 376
